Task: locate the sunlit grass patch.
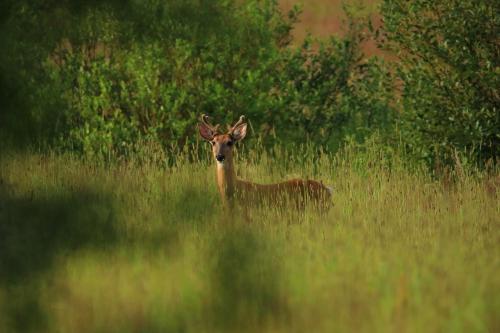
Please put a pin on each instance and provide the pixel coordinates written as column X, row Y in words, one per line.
column 137, row 246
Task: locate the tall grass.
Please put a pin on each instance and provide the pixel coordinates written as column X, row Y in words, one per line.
column 146, row 247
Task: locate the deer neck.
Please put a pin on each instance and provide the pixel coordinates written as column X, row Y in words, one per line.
column 226, row 178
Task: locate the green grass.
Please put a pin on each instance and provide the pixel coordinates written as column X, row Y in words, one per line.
column 141, row 247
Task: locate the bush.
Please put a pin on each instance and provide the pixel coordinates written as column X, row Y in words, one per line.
column 117, row 76
column 449, row 64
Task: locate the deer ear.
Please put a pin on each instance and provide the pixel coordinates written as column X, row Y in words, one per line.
column 205, row 132
column 239, row 132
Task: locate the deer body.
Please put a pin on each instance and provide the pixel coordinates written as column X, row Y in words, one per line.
column 295, row 191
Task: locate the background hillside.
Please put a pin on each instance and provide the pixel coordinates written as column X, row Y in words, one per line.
column 323, row 19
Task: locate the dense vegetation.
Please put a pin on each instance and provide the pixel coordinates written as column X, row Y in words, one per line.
column 109, row 216
column 450, row 71
column 104, row 77
column 102, row 83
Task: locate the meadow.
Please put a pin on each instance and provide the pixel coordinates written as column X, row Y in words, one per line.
column 144, row 246
column 110, row 220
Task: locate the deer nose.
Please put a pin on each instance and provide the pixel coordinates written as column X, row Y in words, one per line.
column 220, row 158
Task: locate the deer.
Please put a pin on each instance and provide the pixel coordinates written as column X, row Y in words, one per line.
column 233, row 190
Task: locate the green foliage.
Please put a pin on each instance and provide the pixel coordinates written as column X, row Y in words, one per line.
column 450, row 70
column 333, row 94
column 103, row 78
column 117, row 77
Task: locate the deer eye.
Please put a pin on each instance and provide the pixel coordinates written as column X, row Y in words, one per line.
column 230, row 143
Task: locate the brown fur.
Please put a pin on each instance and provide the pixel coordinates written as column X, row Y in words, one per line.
column 295, row 191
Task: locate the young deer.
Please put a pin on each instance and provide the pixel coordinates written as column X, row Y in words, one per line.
column 296, row 191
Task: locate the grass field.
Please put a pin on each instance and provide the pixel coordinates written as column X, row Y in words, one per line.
column 141, row 247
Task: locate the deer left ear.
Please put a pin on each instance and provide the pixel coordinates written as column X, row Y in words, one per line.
column 239, row 132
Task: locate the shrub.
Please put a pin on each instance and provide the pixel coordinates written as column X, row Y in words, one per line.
column 449, row 64
column 122, row 75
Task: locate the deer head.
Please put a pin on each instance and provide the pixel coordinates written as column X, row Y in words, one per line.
column 222, row 144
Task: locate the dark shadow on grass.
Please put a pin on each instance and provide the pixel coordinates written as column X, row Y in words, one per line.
column 191, row 205
column 245, row 281
column 36, row 230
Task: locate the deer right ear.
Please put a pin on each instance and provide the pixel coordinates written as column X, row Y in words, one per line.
column 239, row 130
column 238, row 133
column 206, row 132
